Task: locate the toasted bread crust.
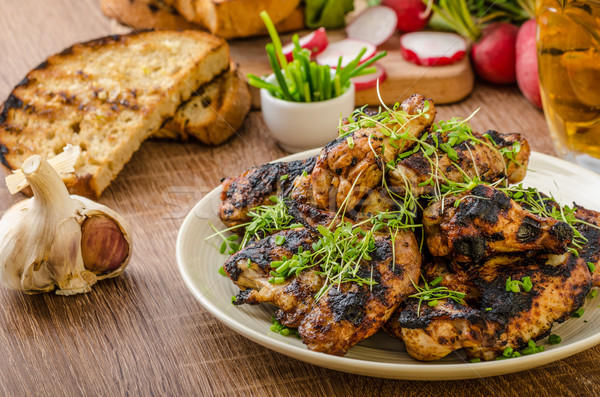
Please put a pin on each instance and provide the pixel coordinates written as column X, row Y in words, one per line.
column 228, row 19
column 146, row 14
column 213, row 114
column 106, row 95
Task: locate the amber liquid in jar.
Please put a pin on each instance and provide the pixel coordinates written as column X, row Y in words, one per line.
column 569, row 67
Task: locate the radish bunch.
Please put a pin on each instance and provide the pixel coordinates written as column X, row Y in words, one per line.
column 501, row 52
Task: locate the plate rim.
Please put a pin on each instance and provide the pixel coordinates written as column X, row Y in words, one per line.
column 417, row 371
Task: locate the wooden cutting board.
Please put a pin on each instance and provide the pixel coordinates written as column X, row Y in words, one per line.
column 444, row 84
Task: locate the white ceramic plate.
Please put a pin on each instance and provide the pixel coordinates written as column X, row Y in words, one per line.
column 381, row 355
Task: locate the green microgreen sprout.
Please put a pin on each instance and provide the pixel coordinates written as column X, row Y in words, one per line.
column 547, row 206
column 431, row 294
column 266, row 220
column 516, row 285
column 591, row 266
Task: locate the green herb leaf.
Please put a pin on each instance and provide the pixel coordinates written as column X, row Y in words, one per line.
column 578, row 313
column 554, row 339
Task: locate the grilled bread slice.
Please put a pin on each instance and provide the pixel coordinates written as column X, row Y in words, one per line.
column 107, row 96
column 234, row 18
column 213, row 114
column 146, row 14
column 219, row 19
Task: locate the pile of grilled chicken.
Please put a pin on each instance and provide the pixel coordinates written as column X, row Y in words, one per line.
column 475, row 242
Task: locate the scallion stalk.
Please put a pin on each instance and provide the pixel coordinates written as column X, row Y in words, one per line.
column 303, row 80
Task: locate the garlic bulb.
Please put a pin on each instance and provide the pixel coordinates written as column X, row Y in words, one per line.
column 57, row 241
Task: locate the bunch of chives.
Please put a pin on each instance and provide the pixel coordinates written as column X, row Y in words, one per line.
column 303, row 80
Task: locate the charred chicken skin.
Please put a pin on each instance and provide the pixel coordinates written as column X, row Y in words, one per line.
column 590, row 230
column 498, row 318
column 485, row 222
column 348, row 312
column 254, row 187
column 249, row 269
column 347, row 171
column 480, row 157
column 477, row 241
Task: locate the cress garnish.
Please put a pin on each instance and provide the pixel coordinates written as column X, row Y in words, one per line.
column 431, row 293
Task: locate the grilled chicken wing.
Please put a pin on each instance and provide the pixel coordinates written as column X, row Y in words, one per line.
column 474, row 158
column 431, row 333
column 498, row 318
column 340, row 166
column 487, row 221
column 347, row 313
column 255, row 186
column 350, row 313
column 590, row 230
column 558, row 290
column 249, row 269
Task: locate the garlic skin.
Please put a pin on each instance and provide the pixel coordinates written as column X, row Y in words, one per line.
column 41, row 238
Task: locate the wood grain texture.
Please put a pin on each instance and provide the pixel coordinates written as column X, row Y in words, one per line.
column 144, row 333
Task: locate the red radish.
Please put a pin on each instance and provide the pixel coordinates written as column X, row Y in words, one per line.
column 412, row 14
column 375, row 25
column 315, row 41
column 432, row 48
column 370, row 80
column 528, row 78
column 348, row 49
column 494, row 53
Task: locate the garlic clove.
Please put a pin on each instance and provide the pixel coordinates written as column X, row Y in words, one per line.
column 104, row 246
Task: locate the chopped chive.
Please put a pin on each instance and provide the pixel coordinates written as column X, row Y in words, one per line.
column 554, row 339
column 475, row 360
column 436, row 281
column 527, row 284
column 508, row 352
column 578, row 313
column 488, row 309
column 222, row 271
column 279, row 240
column 284, row 177
column 350, row 141
column 233, row 299
column 593, row 293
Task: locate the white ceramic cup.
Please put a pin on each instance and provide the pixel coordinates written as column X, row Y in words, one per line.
column 298, row 126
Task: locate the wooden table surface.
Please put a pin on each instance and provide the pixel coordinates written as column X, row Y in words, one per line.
column 144, row 333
